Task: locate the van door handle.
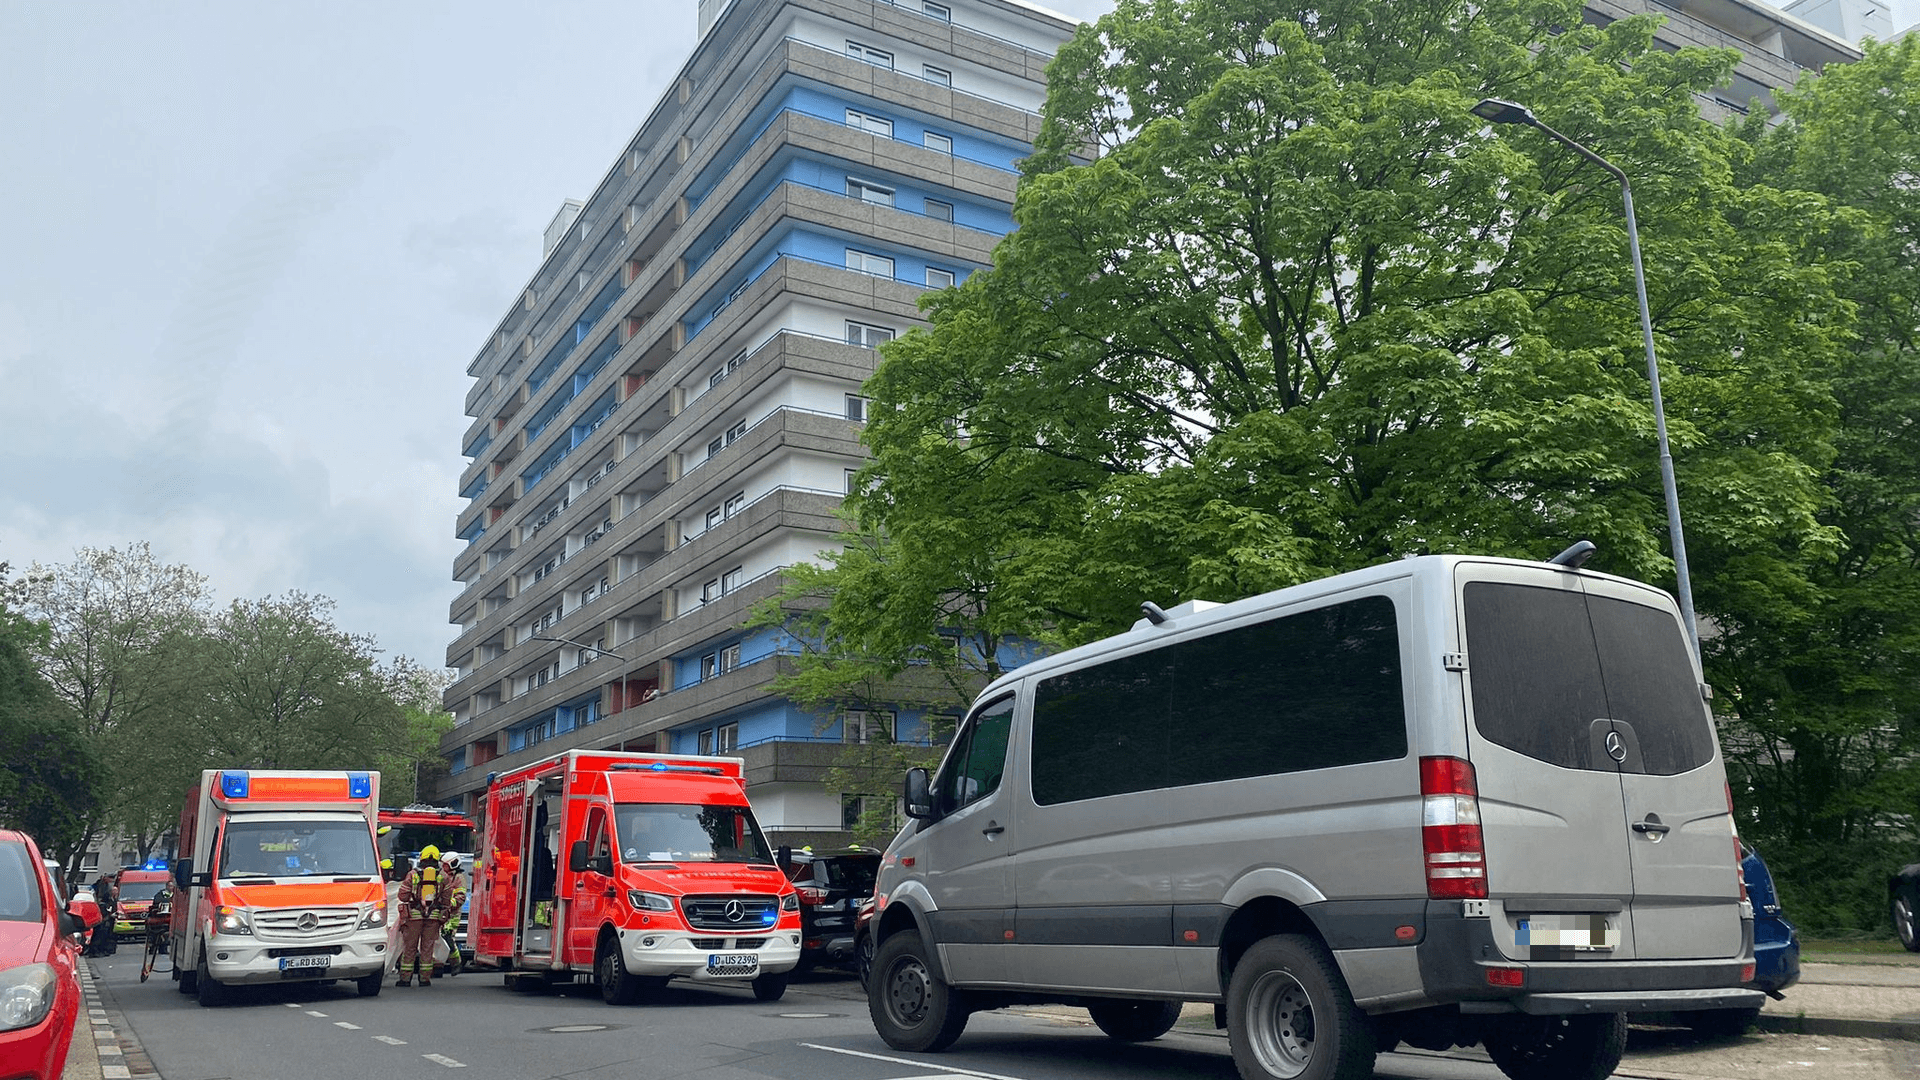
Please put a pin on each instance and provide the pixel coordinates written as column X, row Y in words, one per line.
column 993, row 828
column 1653, row 827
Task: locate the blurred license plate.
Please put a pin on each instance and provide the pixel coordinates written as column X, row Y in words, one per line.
column 742, row 963
column 296, row 963
column 1564, row 933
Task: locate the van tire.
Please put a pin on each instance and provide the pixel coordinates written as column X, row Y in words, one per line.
column 769, row 987
column 1559, row 1047
column 617, row 984
column 186, row 980
column 1135, row 1021
column 912, row 1008
column 1290, row 1014
column 369, row 985
column 211, row 991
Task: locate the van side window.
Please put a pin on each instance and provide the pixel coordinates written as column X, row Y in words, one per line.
column 1313, row 690
column 978, row 759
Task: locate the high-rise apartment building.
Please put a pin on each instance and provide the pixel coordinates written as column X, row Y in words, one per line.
column 1776, row 48
column 668, row 415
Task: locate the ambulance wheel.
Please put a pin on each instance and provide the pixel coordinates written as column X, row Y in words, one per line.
column 769, row 987
column 617, row 985
column 212, row 991
column 369, row 985
column 188, row 981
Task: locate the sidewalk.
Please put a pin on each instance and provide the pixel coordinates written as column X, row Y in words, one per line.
column 92, row 1028
column 1872, row 1000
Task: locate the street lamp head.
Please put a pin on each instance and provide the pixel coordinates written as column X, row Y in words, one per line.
column 1494, row 110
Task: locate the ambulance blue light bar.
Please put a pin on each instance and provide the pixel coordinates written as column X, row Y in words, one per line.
column 233, row 785
column 359, row 785
column 661, row 766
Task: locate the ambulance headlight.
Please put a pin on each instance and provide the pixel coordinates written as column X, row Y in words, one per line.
column 790, row 902
column 231, row 920
column 376, row 917
column 646, row 901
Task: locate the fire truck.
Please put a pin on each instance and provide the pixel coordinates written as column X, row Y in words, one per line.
column 406, row 830
column 632, row 869
column 279, row 880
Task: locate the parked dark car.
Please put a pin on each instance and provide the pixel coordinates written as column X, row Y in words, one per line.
column 831, row 885
column 1903, row 895
column 1776, row 953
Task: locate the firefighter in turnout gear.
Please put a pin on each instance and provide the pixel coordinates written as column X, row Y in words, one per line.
column 426, row 898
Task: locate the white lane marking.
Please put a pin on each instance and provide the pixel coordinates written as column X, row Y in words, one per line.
column 315, row 1012
column 907, row 1061
column 442, row 1059
column 344, row 1024
column 389, row 1040
column 293, row 1005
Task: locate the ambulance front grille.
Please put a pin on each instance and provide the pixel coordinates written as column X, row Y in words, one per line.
column 304, row 924
column 756, row 912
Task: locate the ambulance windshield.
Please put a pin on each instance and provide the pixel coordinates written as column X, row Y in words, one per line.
column 670, row 832
column 296, row 849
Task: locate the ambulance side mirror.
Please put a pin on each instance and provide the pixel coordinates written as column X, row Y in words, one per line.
column 182, row 872
column 577, row 860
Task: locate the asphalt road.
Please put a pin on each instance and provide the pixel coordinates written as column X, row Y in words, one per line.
column 818, row 1031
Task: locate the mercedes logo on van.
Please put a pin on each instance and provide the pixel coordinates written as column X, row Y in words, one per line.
column 736, row 911
column 309, row 922
column 1616, row 746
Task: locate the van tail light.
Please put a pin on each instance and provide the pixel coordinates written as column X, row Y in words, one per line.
column 1450, row 830
column 1739, row 857
column 811, row 895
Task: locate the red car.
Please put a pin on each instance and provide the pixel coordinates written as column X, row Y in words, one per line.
column 39, row 969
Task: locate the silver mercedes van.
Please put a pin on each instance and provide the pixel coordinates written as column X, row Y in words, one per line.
column 1443, row 801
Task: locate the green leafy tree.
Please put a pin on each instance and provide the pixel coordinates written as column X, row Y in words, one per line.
column 1822, row 675
column 114, row 618
column 50, row 788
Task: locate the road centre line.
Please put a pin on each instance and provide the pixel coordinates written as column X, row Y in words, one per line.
column 315, row 1012
column 389, row 1040
column 344, row 1024
column 944, row 1069
column 442, row 1059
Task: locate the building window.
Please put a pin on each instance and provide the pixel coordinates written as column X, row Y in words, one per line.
column 710, row 591
column 736, row 431
column 851, row 483
column 714, row 517
column 938, row 11
column 877, row 125
column 876, row 57
column 868, row 263
column 938, row 278
column 856, row 408
column 867, row 726
column 732, row 579
column 708, row 666
column 933, row 141
column 868, row 191
column 719, row 443
column 730, row 657
column 90, row 862
column 728, row 738
column 706, row 742
column 940, row 76
column 939, row 209
column 736, row 504
column 866, row 336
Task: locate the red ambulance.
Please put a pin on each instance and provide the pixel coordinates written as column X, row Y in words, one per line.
column 632, row 868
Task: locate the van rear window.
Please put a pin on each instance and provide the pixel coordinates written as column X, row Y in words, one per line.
column 1308, row 691
column 1546, row 663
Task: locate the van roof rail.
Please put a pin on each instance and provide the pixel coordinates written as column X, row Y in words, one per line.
column 1575, row 556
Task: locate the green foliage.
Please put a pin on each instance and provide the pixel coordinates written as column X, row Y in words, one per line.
column 51, row 783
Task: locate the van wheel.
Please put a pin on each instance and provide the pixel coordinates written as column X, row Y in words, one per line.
column 1559, row 1047
column 187, row 981
column 1720, row 1023
column 1903, row 922
column 212, row 991
column 911, row 1008
column 769, row 987
column 617, row 985
column 1290, row 1015
column 369, row 985
column 1135, row 1021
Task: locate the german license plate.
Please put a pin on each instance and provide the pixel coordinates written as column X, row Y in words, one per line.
column 1548, row 934
column 739, row 963
column 304, row 963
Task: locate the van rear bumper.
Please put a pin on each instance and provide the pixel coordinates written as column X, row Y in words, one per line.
column 1652, row 1001
column 1458, row 955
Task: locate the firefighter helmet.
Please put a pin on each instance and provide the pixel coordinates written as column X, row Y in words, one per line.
column 429, row 853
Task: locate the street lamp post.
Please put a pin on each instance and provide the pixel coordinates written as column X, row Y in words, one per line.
column 1497, row 111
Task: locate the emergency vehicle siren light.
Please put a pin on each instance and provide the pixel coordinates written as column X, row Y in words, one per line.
column 233, row 785
column 661, row 766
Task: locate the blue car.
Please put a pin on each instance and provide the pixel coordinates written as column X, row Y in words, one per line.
column 1776, row 948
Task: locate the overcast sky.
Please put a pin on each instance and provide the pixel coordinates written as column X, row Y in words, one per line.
column 247, row 251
